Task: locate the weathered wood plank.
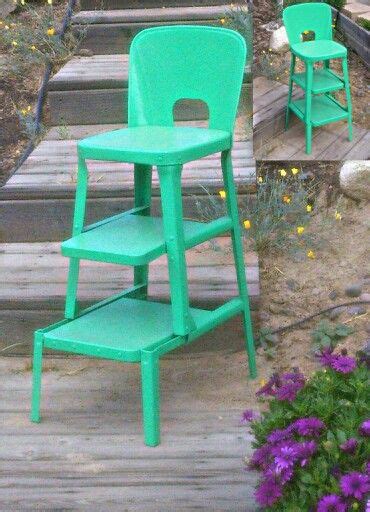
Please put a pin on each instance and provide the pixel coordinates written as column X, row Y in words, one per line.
column 161, row 14
column 88, row 454
column 87, row 5
column 271, row 142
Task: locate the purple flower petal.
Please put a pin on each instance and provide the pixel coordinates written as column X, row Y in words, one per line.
column 365, row 428
column 268, row 493
column 331, row 503
column 343, row 364
column 355, row 485
column 349, row 446
column 310, row 427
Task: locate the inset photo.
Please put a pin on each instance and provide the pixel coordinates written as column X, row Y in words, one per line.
column 310, row 87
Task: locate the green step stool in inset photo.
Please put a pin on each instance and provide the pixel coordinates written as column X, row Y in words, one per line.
column 318, row 107
column 167, row 64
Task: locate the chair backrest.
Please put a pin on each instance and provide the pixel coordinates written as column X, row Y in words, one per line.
column 173, row 63
column 314, row 17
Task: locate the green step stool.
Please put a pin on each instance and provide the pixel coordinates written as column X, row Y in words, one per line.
column 199, row 63
column 318, row 107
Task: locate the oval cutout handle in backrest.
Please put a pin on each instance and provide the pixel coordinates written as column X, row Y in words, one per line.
column 308, row 35
column 170, row 63
column 187, row 109
column 314, row 17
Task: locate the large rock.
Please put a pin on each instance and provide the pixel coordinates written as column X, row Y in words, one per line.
column 6, row 7
column 279, row 40
column 355, row 179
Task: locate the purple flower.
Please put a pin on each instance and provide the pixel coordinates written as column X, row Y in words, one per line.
column 305, row 450
column 367, row 468
column 248, row 416
column 349, row 446
column 267, row 389
column 365, row 428
column 260, row 458
column 310, row 427
column 279, row 475
column 268, row 493
column 325, row 356
column 285, row 455
column 355, row 485
column 288, row 391
column 343, row 364
column 278, row 435
column 331, row 503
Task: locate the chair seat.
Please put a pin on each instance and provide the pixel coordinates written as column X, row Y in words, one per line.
column 319, row 50
column 155, row 145
column 119, row 330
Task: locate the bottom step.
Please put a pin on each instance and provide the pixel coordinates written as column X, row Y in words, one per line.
column 324, row 110
column 33, row 285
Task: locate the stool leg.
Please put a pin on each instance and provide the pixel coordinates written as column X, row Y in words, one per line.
column 143, row 192
column 150, row 397
column 170, row 184
column 36, row 377
column 232, row 206
column 291, row 72
column 78, row 223
column 308, row 102
column 348, row 96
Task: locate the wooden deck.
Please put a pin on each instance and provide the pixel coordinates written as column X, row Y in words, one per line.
column 272, row 142
column 87, row 453
column 33, row 284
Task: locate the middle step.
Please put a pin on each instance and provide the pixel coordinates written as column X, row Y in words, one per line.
column 94, row 88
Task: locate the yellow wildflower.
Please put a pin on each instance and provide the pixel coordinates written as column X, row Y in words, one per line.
column 247, row 224
column 338, row 216
column 262, row 382
column 50, row 2
column 294, row 171
column 23, row 2
column 14, row 43
column 222, row 194
column 300, row 230
column 33, row 48
column 311, row 254
column 260, row 179
column 50, row 31
column 222, row 20
column 282, row 172
column 6, row 27
column 287, row 199
column 309, row 208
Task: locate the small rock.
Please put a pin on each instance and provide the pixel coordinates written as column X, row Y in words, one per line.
column 278, row 300
column 354, row 179
column 365, row 297
column 264, row 316
column 333, row 295
column 353, row 291
column 274, row 308
column 292, row 284
column 335, row 313
column 85, row 52
column 6, row 7
column 279, row 40
column 356, row 310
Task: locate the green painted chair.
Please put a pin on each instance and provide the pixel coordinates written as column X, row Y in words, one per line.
column 318, row 107
column 199, row 63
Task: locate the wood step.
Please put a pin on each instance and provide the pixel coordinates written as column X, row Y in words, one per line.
column 91, row 88
column 33, row 283
column 42, row 190
column 269, row 107
column 111, row 31
column 90, row 5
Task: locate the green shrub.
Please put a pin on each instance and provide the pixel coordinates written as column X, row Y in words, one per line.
column 311, row 446
column 364, row 23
